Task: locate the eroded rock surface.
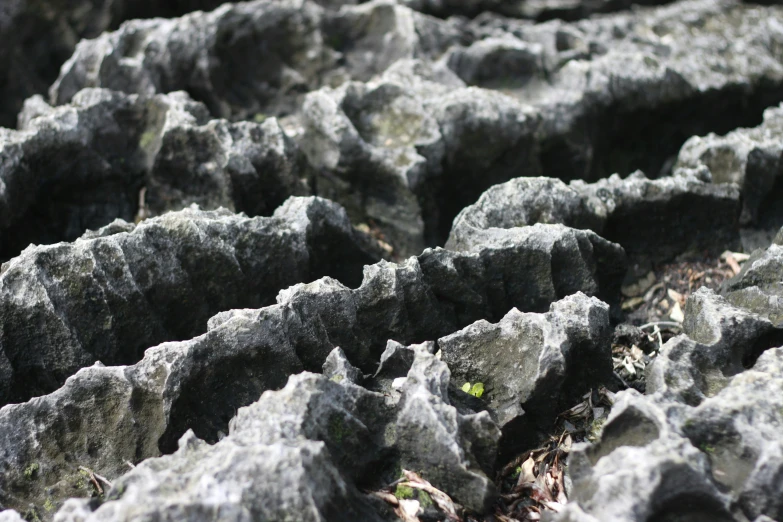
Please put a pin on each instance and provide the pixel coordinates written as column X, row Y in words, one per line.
column 652, row 219
column 108, row 155
column 112, row 294
column 533, row 366
column 198, row 384
column 490, row 100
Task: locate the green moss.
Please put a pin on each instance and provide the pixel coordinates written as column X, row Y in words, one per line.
column 594, row 431
column 49, row 505
column 425, row 500
column 337, row 378
column 147, row 138
column 403, row 492
column 707, row 449
column 260, row 117
column 31, row 471
column 337, row 429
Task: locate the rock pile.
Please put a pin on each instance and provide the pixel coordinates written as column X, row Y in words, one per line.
column 224, row 295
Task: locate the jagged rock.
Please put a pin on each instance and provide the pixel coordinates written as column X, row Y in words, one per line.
column 39, row 36
column 131, row 413
column 758, row 287
column 409, row 150
column 82, row 165
column 720, row 460
column 214, row 55
column 338, row 368
column 533, row 366
column 115, row 293
column 533, row 9
column 720, row 341
column 748, row 157
column 654, row 219
column 301, row 452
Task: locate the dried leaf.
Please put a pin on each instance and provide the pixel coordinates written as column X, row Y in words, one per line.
column 675, row 296
column 526, row 471
column 676, row 313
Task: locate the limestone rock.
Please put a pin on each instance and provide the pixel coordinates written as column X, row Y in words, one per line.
column 720, row 460
column 113, row 294
column 109, row 415
column 214, row 55
column 39, row 36
column 748, row 157
column 82, row 165
column 652, row 219
column 533, row 366
column 301, row 452
column 758, row 287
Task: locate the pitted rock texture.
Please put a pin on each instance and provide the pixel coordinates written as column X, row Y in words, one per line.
column 198, row 384
column 652, row 219
column 112, row 294
column 38, row 36
column 213, row 55
column 300, row 453
column 705, row 442
column 409, row 150
column 720, row 460
column 748, row 157
column 82, row 165
column 533, row 366
column 759, row 286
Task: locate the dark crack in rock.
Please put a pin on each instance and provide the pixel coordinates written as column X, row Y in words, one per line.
column 82, row 165
column 652, row 219
column 111, row 295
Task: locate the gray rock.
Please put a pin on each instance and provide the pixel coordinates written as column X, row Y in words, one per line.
column 409, row 149
column 758, row 287
column 337, row 368
column 113, row 294
column 82, row 165
column 720, row 460
column 748, row 157
column 39, row 36
column 651, row 219
column 299, row 453
column 108, row 415
column 214, row 55
column 533, row 366
column 720, row 341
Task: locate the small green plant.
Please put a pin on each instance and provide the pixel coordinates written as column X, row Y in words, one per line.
column 49, row 505
column 707, row 449
column 30, row 471
column 476, row 390
column 425, row 500
column 403, row 492
column 260, row 117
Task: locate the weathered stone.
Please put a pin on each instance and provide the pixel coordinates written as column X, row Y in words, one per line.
column 653, row 219
column 82, row 165
column 39, row 36
column 720, row 341
column 300, row 453
column 759, row 286
column 409, row 150
column 132, row 413
column 748, row 157
column 337, row 368
column 720, row 460
column 533, row 366
column 214, row 55
column 111, row 295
